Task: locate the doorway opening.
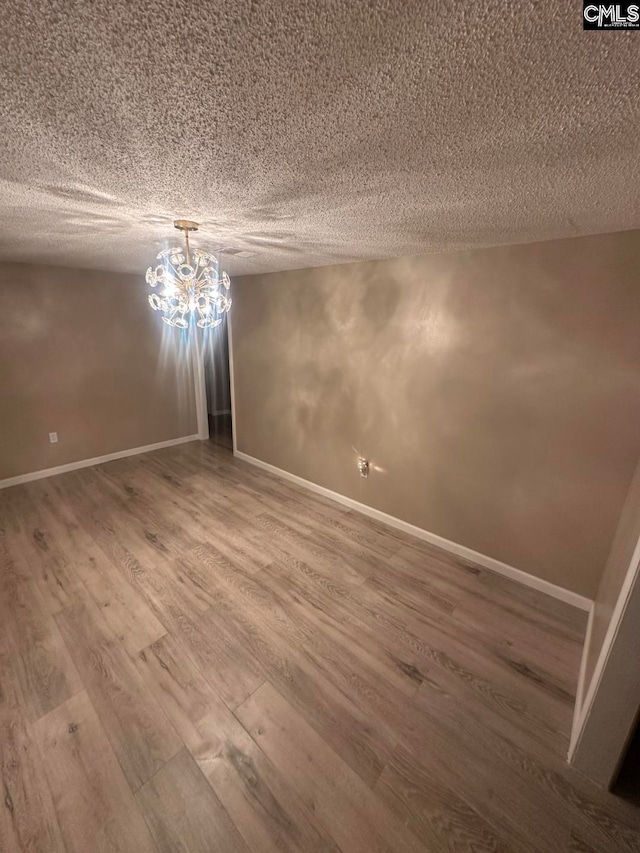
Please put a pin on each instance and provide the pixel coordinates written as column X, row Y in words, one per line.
column 627, row 784
column 217, row 378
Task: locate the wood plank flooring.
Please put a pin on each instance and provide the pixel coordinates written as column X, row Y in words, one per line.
column 198, row 656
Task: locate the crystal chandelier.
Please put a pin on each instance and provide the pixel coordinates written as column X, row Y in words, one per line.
column 189, row 284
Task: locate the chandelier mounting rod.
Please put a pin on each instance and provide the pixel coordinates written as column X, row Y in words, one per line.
column 186, row 225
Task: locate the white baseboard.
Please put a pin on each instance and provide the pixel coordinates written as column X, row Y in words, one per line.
column 96, row 460
column 566, row 595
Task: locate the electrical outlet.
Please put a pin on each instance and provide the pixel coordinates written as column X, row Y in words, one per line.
column 53, row 437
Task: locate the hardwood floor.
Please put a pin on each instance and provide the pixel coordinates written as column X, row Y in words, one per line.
column 198, row 656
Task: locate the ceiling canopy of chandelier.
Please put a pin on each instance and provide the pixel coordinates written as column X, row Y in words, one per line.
column 189, row 284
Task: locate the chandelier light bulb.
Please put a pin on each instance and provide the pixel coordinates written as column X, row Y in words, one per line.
column 189, row 284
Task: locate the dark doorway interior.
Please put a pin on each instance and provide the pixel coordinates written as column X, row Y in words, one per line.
column 218, row 382
column 628, row 782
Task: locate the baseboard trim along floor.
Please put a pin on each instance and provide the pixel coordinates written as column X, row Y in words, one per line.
column 566, row 595
column 96, row 460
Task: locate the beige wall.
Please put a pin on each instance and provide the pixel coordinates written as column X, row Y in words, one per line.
column 496, row 392
column 81, row 354
column 615, row 571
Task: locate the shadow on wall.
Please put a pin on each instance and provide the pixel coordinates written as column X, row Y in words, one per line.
column 325, row 397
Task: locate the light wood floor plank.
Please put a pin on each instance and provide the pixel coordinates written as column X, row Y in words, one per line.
column 516, row 761
column 302, row 665
column 435, row 812
column 140, row 734
column 43, row 550
column 124, row 609
column 267, row 811
column 341, row 801
column 28, row 822
column 414, row 648
column 95, row 806
column 43, row 666
column 183, row 812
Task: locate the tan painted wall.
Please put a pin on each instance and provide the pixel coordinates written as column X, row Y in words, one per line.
column 615, row 571
column 496, row 392
column 81, row 354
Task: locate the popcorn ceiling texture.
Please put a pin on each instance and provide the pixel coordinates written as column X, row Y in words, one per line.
column 309, row 132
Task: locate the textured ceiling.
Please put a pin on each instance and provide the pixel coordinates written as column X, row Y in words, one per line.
column 309, row 132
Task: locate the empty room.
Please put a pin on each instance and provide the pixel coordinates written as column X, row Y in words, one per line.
column 319, row 427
